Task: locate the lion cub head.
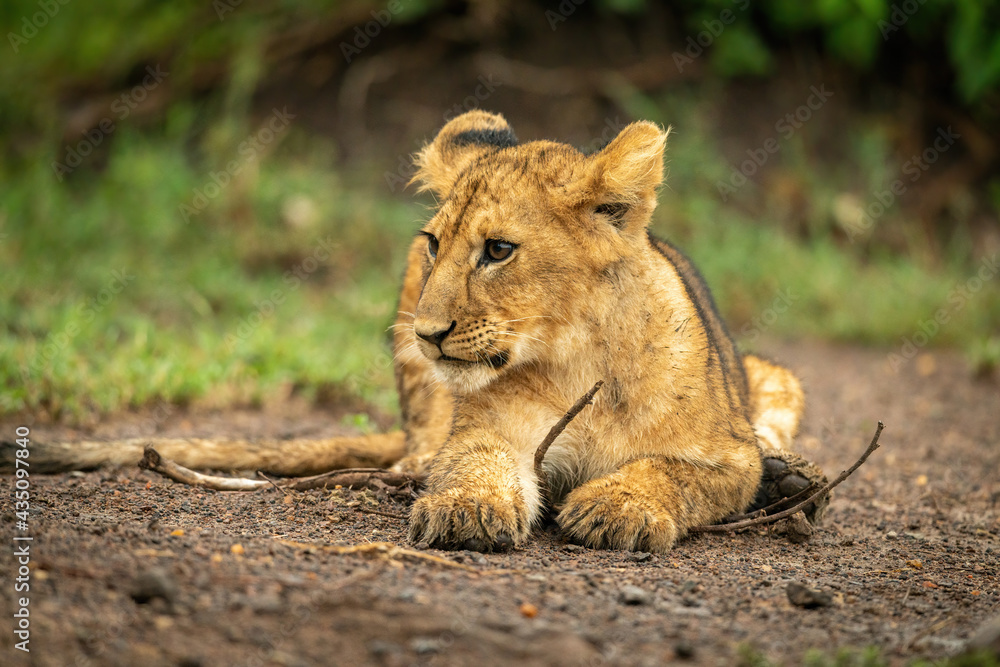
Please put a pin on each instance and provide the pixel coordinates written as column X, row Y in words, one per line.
column 528, row 245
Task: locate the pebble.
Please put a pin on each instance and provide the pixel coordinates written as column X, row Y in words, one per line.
column 425, row 645
column 267, row 604
column 639, row 556
column 796, row 528
column 633, row 595
column 381, row 647
column 684, row 650
column 153, row 583
column 808, row 598
column 572, row 548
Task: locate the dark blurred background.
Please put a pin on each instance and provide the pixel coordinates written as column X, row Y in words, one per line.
column 205, row 203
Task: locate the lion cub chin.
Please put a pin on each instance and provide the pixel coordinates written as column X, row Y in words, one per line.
column 535, row 277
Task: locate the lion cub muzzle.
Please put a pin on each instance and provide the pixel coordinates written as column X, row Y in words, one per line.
column 477, row 342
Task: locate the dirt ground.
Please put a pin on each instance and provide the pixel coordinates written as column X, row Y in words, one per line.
column 128, row 568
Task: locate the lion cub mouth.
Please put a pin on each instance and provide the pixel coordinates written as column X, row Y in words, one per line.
column 496, row 361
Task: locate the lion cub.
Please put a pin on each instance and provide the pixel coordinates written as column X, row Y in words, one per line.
column 535, row 278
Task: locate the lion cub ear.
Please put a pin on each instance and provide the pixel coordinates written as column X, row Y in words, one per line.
column 621, row 180
column 460, row 142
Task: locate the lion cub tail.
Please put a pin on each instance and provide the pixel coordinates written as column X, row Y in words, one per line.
column 776, row 402
column 279, row 457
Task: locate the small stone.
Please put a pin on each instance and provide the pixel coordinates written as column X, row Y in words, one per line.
column 684, row 650
column 796, row 528
column 407, row 595
column 808, row 598
column 633, row 595
column 151, row 584
column 639, row 556
column 425, row 645
column 380, row 647
column 572, row 548
column 267, row 604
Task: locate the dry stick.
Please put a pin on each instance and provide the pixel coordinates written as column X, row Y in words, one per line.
column 352, row 478
column 151, row 460
column 748, row 523
column 786, row 501
column 558, row 428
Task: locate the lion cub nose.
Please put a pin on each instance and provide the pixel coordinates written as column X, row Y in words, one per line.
column 437, row 337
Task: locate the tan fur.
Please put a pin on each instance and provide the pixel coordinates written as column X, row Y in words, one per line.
column 674, row 438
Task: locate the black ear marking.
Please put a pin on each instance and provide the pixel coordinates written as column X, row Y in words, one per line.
column 503, row 138
column 614, row 210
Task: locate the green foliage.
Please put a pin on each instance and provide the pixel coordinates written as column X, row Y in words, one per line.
column 740, row 51
column 974, row 46
column 285, row 282
column 857, row 32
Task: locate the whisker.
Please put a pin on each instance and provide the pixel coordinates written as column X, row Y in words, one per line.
column 518, row 334
column 528, row 317
column 409, row 347
column 429, row 389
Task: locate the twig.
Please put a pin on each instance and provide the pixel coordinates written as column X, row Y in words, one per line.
column 739, row 525
column 151, row 460
column 268, row 479
column 558, row 428
column 351, row 478
column 786, row 501
column 354, row 478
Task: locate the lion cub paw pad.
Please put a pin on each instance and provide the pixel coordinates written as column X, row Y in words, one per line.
column 786, row 474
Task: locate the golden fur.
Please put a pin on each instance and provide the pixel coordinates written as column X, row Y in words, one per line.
column 535, row 278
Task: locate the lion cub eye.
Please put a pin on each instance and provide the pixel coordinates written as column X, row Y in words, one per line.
column 497, row 251
column 432, row 245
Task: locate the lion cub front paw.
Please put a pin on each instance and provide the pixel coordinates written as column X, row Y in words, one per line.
column 606, row 515
column 453, row 519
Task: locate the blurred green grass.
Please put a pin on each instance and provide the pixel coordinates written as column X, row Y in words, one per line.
column 286, row 281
